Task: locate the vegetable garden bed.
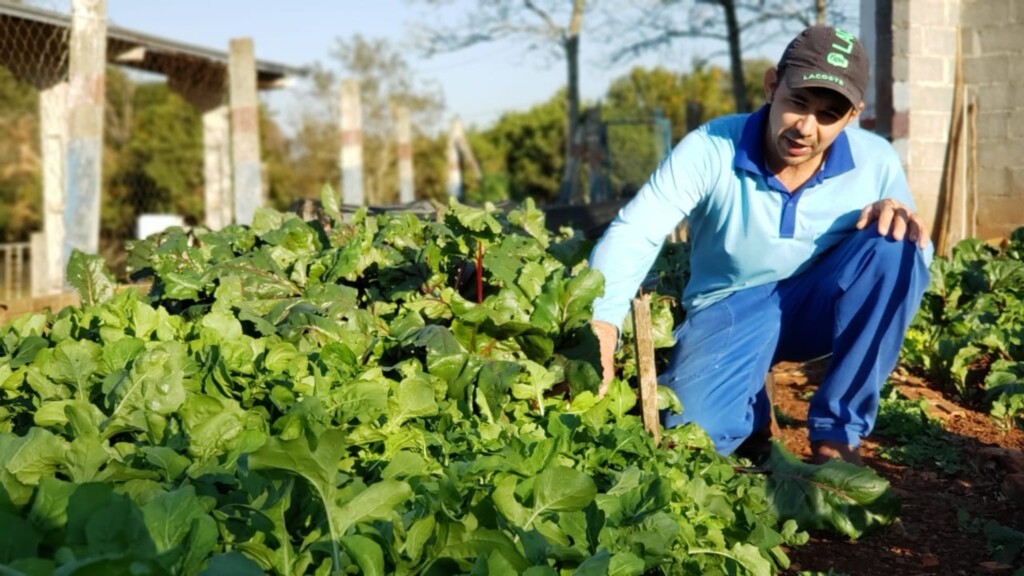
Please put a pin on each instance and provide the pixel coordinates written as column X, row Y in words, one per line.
column 382, row 395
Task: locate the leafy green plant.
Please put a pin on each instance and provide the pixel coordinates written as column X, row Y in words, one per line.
column 968, row 336
column 382, row 395
column 916, row 438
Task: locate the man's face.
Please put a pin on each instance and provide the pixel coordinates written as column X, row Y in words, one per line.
column 802, row 122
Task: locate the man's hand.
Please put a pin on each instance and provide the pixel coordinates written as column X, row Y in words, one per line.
column 894, row 218
column 607, row 338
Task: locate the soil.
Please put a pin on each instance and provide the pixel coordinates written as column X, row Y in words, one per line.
column 929, row 537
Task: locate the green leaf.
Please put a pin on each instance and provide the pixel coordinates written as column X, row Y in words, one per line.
column 231, row 564
column 626, row 564
column 561, row 489
column 27, row 349
column 484, row 542
column 852, row 500
column 368, row 554
column 50, row 504
column 155, row 385
column 170, row 516
column 25, row 460
column 494, row 382
column 331, row 204
column 89, row 275
column 596, row 565
column 17, row 539
column 413, row 398
column 74, row 362
column 534, row 384
column 504, row 498
column 417, row 536
column 102, row 522
column 377, row 502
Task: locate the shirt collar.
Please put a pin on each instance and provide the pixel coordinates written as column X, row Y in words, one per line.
column 750, row 149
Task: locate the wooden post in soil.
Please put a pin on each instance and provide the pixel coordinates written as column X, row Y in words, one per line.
column 645, row 366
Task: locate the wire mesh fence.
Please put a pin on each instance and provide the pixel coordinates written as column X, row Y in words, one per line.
column 33, row 63
column 163, row 112
column 169, row 145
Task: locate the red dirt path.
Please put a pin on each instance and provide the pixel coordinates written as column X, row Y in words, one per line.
column 927, row 539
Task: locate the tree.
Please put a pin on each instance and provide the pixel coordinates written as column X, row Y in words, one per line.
column 540, row 24
column 20, row 163
column 312, row 151
column 633, row 100
column 152, row 162
column 521, row 151
column 740, row 24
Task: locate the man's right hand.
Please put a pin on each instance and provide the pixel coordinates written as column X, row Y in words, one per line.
column 607, row 338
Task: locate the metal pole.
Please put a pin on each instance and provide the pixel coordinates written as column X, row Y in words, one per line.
column 351, row 144
column 88, row 57
column 245, row 130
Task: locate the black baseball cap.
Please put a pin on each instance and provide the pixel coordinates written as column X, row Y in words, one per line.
column 826, row 57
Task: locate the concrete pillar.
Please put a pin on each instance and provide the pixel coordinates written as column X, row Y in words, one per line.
column 454, row 170
column 217, row 168
column 88, row 58
column 207, row 95
column 403, row 136
column 245, row 130
column 53, row 135
column 39, row 278
column 351, row 144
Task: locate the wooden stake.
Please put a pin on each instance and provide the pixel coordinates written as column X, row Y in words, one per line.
column 645, row 365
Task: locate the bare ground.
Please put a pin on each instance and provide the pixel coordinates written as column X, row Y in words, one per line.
column 930, row 536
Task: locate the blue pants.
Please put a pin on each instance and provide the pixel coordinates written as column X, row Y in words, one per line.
column 855, row 303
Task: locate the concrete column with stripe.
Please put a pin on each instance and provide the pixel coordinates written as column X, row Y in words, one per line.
column 245, row 130
column 351, row 119
column 84, row 159
column 403, row 136
column 48, row 278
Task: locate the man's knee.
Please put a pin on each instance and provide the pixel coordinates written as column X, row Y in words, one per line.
column 901, row 260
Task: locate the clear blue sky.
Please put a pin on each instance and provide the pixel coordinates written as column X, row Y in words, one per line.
column 478, row 83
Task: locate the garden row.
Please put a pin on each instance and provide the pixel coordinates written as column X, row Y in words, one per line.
column 968, row 338
column 384, row 395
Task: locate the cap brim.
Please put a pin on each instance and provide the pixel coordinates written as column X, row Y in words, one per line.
column 807, row 78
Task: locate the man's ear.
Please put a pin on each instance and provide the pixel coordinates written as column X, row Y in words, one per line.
column 856, row 110
column 771, row 82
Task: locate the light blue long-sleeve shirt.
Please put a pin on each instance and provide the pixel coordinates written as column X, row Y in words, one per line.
column 745, row 228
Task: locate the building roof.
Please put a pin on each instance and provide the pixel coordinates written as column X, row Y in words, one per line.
column 35, row 43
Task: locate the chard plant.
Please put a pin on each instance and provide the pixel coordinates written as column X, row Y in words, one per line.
column 383, row 395
column 968, row 336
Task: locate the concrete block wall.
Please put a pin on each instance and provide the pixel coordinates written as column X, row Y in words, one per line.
column 992, row 33
column 924, row 46
column 915, row 105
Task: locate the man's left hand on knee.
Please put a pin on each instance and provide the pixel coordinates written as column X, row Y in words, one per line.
column 896, row 219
